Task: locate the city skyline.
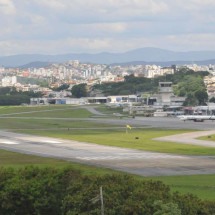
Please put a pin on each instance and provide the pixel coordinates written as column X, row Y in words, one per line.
column 72, row 26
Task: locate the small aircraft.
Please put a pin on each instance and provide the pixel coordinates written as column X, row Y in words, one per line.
column 196, row 118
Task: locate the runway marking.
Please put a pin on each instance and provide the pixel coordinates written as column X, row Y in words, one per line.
column 118, row 157
column 9, row 142
column 50, row 141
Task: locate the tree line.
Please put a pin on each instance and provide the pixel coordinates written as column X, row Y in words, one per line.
column 45, row 191
column 10, row 96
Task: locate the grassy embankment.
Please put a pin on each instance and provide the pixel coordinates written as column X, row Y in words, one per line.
column 201, row 185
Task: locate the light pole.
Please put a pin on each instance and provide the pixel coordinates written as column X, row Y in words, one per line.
column 102, row 201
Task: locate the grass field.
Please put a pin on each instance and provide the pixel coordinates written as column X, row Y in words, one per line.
column 210, row 138
column 81, row 130
column 49, row 112
column 41, row 124
column 19, row 109
column 199, row 185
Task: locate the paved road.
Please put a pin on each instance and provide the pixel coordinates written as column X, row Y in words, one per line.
column 127, row 160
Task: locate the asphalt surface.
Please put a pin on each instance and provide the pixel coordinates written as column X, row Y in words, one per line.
column 126, row 160
column 190, row 138
column 162, row 122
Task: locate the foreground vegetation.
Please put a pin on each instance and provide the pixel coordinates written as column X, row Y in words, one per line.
column 53, row 191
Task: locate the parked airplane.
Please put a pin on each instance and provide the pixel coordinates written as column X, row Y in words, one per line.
column 196, row 118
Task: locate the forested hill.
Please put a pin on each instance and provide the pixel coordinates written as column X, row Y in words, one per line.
column 186, row 83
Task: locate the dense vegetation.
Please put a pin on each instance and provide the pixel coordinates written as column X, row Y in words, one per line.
column 10, row 96
column 79, row 90
column 65, row 191
column 61, row 87
column 186, row 83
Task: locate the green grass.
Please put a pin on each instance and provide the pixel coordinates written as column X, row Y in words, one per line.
column 40, row 124
column 199, row 185
column 209, row 137
column 19, row 109
column 116, row 137
column 64, row 112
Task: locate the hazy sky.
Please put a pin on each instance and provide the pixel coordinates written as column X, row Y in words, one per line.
column 66, row 26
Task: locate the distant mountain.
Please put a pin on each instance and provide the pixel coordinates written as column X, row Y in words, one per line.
column 166, row 63
column 37, row 64
column 143, row 54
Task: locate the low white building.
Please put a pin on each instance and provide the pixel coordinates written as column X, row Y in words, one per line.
column 122, row 99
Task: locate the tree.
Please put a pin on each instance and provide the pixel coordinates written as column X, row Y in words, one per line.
column 212, row 100
column 79, row 90
column 202, row 96
column 190, row 100
column 167, row 209
column 53, row 191
column 61, row 88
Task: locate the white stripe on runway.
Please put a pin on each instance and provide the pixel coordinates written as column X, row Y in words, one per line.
column 49, row 141
column 9, row 142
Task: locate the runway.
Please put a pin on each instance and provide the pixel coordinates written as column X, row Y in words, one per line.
column 126, row 160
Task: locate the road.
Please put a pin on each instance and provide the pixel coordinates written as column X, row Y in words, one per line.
column 126, row 160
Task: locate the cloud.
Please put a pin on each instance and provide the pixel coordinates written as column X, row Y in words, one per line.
column 94, row 11
column 113, row 25
column 7, row 7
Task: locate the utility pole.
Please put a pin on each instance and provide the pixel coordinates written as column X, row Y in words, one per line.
column 102, row 202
